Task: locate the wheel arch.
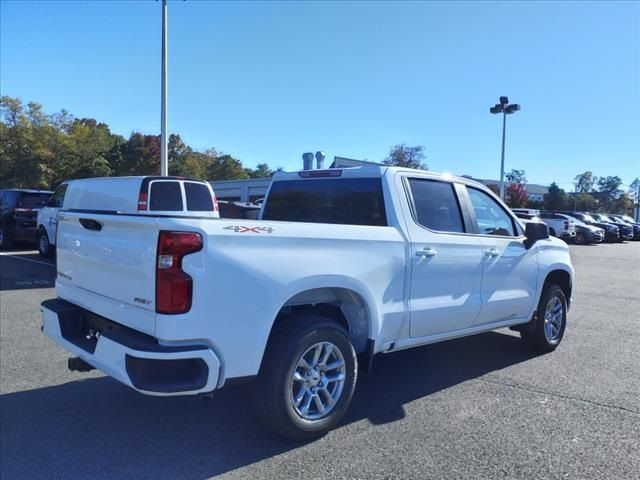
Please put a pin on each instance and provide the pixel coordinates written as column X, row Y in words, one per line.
column 344, row 305
column 563, row 279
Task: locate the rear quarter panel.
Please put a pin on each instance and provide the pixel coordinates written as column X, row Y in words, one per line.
column 248, row 270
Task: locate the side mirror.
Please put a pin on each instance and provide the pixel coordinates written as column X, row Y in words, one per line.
column 535, row 231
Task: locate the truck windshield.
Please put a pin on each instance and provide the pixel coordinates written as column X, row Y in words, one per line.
column 346, row 201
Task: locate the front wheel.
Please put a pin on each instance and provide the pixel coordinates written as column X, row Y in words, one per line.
column 580, row 238
column 307, row 378
column 44, row 246
column 545, row 332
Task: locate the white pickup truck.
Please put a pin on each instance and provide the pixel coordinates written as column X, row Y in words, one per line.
column 344, row 264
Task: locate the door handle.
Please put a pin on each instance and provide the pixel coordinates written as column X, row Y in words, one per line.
column 91, row 224
column 427, row 252
column 492, row 252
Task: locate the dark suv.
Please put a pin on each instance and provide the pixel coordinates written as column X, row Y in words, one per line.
column 18, row 214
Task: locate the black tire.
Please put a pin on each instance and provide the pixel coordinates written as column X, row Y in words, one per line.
column 45, row 248
column 552, row 232
column 6, row 240
column 273, row 397
column 535, row 334
column 580, row 238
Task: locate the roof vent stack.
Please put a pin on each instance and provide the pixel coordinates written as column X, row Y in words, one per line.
column 307, row 161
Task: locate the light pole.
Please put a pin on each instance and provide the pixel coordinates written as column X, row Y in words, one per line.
column 506, row 109
column 164, row 162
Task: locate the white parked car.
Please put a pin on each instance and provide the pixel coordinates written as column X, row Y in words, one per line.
column 560, row 226
column 345, row 264
column 125, row 195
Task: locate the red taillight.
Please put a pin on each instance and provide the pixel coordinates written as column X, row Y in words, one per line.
column 566, row 225
column 142, row 201
column 174, row 287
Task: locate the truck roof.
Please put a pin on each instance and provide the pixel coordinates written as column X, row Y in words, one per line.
column 368, row 171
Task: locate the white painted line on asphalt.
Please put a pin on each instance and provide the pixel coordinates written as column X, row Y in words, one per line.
column 28, row 260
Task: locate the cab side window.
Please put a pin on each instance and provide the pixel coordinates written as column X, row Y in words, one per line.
column 57, row 199
column 491, row 217
column 435, row 205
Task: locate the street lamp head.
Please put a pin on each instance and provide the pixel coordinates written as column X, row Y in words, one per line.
column 496, row 109
column 504, row 100
column 514, row 107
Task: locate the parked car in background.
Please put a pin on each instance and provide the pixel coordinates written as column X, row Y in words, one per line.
column 527, row 216
column 628, row 221
column 18, row 213
column 559, row 226
column 626, row 231
column 585, row 233
column 176, row 196
column 611, row 232
column 48, row 221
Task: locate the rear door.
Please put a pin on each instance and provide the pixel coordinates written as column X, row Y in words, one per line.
column 106, row 263
column 446, row 262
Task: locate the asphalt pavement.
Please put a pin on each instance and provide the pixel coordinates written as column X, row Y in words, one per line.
column 479, row 407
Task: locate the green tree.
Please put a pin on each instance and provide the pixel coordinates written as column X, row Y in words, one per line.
column 556, row 199
column 609, row 190
column 584, row 202
column 634, row 190
column 262, row 170
column 585, row 182
column 409, row 157
column 225, row 167
column 623, row 204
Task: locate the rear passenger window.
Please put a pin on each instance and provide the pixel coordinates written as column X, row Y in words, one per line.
column 165, row 197
column 435, row 205
column 198, row 197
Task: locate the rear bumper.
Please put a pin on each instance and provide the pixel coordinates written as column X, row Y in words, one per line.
column 129, row 356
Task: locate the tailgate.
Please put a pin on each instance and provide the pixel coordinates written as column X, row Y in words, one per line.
column 106, row 264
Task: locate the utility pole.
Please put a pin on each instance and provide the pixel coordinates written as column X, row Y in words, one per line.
column 164, row 141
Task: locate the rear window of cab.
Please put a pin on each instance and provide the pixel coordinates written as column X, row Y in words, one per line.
column 345, row 201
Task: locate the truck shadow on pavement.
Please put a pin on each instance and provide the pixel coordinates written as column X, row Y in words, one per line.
column 97, row 428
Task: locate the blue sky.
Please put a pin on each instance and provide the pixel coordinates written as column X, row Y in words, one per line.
column 267, row 81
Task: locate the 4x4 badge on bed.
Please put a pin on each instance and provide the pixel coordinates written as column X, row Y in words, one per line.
column 243, row 229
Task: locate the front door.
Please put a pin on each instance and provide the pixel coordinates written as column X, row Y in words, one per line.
column 510, row 270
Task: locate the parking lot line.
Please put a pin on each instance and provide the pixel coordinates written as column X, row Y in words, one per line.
column 12, row 255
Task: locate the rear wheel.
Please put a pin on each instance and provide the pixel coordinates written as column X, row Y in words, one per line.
column 546, row 331
column 44, row 246
column 307, row 377
column 6, row 240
